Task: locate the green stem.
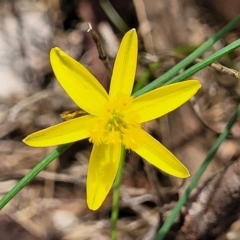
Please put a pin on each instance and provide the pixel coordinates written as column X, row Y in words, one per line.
column 189, row 59
column 168, row 223
column 204, row 63
column 32, row 174
column 116, row 193
column 114, row 16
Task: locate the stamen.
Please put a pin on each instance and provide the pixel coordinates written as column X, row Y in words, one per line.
column 116, row 123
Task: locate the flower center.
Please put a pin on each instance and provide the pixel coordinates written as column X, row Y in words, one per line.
column 117, row 123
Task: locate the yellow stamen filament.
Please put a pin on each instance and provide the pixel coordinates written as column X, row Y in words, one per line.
column 116, row 124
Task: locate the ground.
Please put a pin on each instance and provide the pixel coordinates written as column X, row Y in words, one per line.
column 53, row 205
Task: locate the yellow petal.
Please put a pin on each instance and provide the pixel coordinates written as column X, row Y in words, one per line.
column 66, row 132
column 84, row 89
column 102, row 169
column 125, row 65
column 156, row 154
column 160, row 101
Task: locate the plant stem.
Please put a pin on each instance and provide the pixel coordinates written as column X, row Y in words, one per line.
column 116, row 193
column 189, row 59
column 32, row 174
column 168, row 223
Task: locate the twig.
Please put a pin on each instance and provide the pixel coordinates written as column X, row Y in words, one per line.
column 216, row 205
column 216, row 66
column 102, row 56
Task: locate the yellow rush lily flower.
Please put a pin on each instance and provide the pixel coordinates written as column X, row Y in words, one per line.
column 113, row 119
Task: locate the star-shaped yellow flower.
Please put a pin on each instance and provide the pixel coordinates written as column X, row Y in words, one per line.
column 113, row 119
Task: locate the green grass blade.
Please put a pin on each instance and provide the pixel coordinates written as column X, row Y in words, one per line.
column 198, row 52
column 168, row 223
column 33, row 173
column 204, row 63
column 114, row 16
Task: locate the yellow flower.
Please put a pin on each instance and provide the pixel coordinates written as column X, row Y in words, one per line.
column 113, row 119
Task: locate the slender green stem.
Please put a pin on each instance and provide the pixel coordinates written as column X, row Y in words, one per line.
column 116, row 193
column 204, row 63
column 32, row 174
column 114, row 16
column 168, row 223
column 185, row 62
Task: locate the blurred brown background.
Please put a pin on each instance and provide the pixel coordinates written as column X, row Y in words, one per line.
column 53, row 206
